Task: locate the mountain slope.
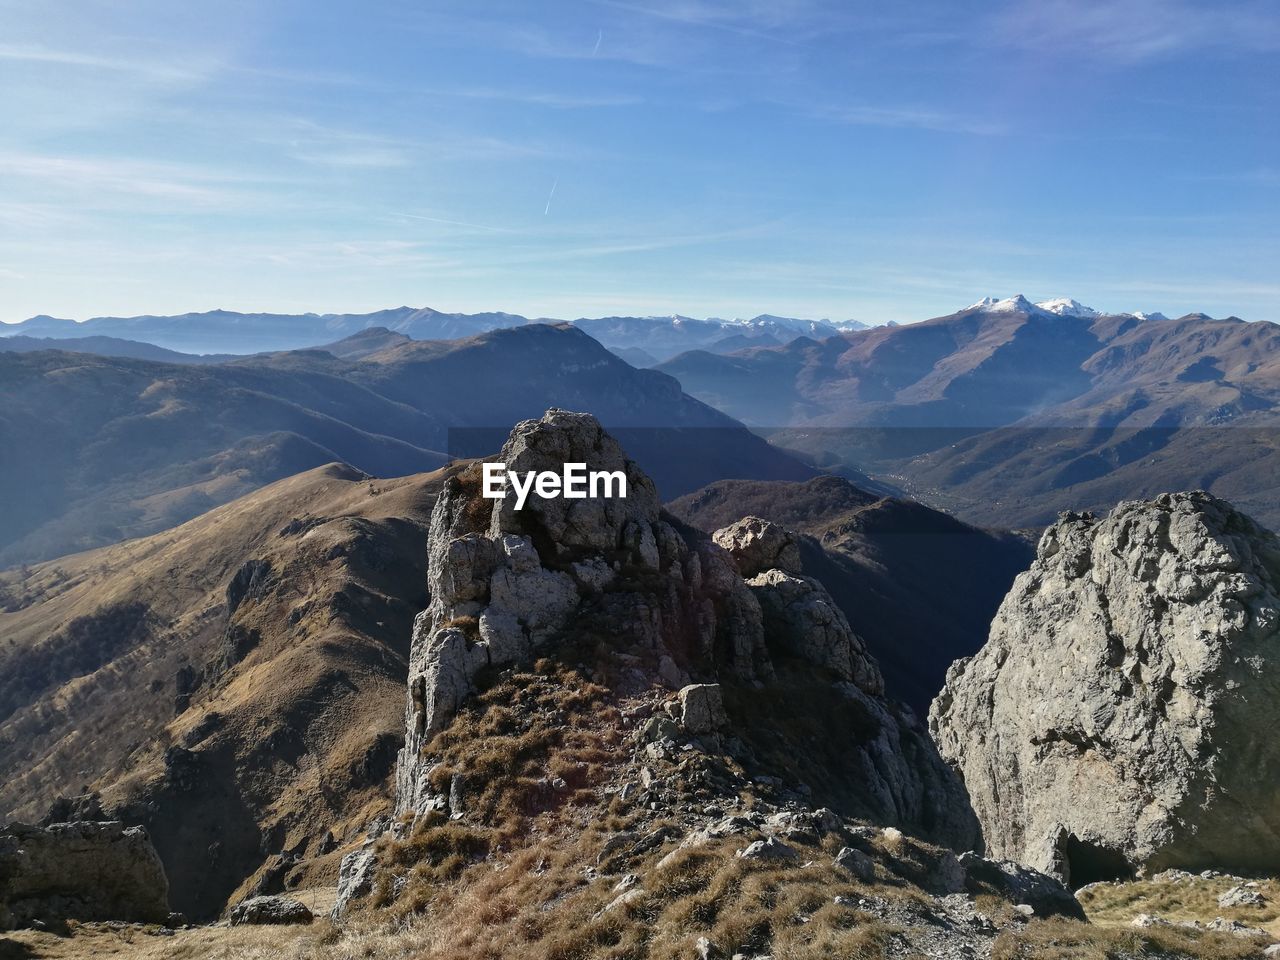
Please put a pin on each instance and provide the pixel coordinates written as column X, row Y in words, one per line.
column 1008, row 411
column 114, row 448
column 234, row 683
column 106, row 347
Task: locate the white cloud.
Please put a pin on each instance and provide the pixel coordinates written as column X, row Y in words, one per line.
column 1130, row 31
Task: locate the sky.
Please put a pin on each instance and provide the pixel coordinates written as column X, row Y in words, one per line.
column 566, row 158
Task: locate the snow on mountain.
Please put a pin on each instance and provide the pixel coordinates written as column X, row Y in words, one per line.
column 1059, row 306
column 1010, row 304
column 1066, row 307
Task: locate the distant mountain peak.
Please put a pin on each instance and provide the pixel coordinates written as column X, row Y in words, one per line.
column 1066, row 307
column 1019, row 304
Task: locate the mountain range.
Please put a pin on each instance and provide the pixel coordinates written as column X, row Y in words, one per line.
column 115, row 447
column 643, row 341
column 1008, row 411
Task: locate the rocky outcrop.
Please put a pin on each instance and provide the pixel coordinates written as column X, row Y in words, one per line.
column 1116, row 717
column 504, row 582
column 80, row 871
column 803, row 621
column 757, row 545
column 511, row 585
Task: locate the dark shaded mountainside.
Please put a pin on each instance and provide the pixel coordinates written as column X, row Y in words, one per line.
column 640, row 340
column 1008, row 413
column 115, row 447
column 234, row 684
column 919, row 586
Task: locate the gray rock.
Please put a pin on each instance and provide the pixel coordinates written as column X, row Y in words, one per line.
column 85, row 870
column 856, row 863
column 495, row 596
column 355, row 879
column 1045, row 895
column 758, row 545
column 1241, row 896
column 801, row 619
column 769, row 849
column 270, row 910
column 503, row 583
column 1111, row 721
column 708, row 950
column 702, row 709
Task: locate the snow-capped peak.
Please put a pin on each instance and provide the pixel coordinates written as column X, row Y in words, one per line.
column 1008, row 305
column 1066, row 307
column 1157, row 315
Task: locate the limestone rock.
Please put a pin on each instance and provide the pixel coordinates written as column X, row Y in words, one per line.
column 270, row 910
column 1112, row 720
column 503, row 582
column 1241, row 896
column 758, row 545
column 355, row 879
column 768, row 849
column 857, row 863
column 1044, row 894
column 85, row 870
column 801, row 618
column 507, row 585
column 702, row 709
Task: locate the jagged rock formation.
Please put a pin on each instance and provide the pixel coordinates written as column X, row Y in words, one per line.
column 1116, row 717
column 80, row 871
column 507, row 585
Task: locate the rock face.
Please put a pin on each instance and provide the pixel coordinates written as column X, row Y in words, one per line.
column 504, row 582
column 80, row 871
column 509, row 586
column 1113, row 719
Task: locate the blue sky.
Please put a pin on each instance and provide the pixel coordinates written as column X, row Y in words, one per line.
column 571, row 158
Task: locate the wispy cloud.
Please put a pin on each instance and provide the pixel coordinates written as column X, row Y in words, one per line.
column 740, row 19
column 916, row 118
column 138, row 66
column 554, row 100
column 1130, row 31
column 450, row 223
column 186, row 184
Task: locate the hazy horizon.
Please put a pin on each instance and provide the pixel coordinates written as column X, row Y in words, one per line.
column 594, row 157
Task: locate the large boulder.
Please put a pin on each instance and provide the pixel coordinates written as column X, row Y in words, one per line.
column 270, row 910
column 80, row 871
column 1119, row 715
column 757, row 545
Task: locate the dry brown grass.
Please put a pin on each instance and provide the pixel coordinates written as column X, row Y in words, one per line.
column 1116, row 904
column 528, row 730
column 1072, row 940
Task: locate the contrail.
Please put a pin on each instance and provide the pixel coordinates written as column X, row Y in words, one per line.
column 599, row 37
column 554, row 184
